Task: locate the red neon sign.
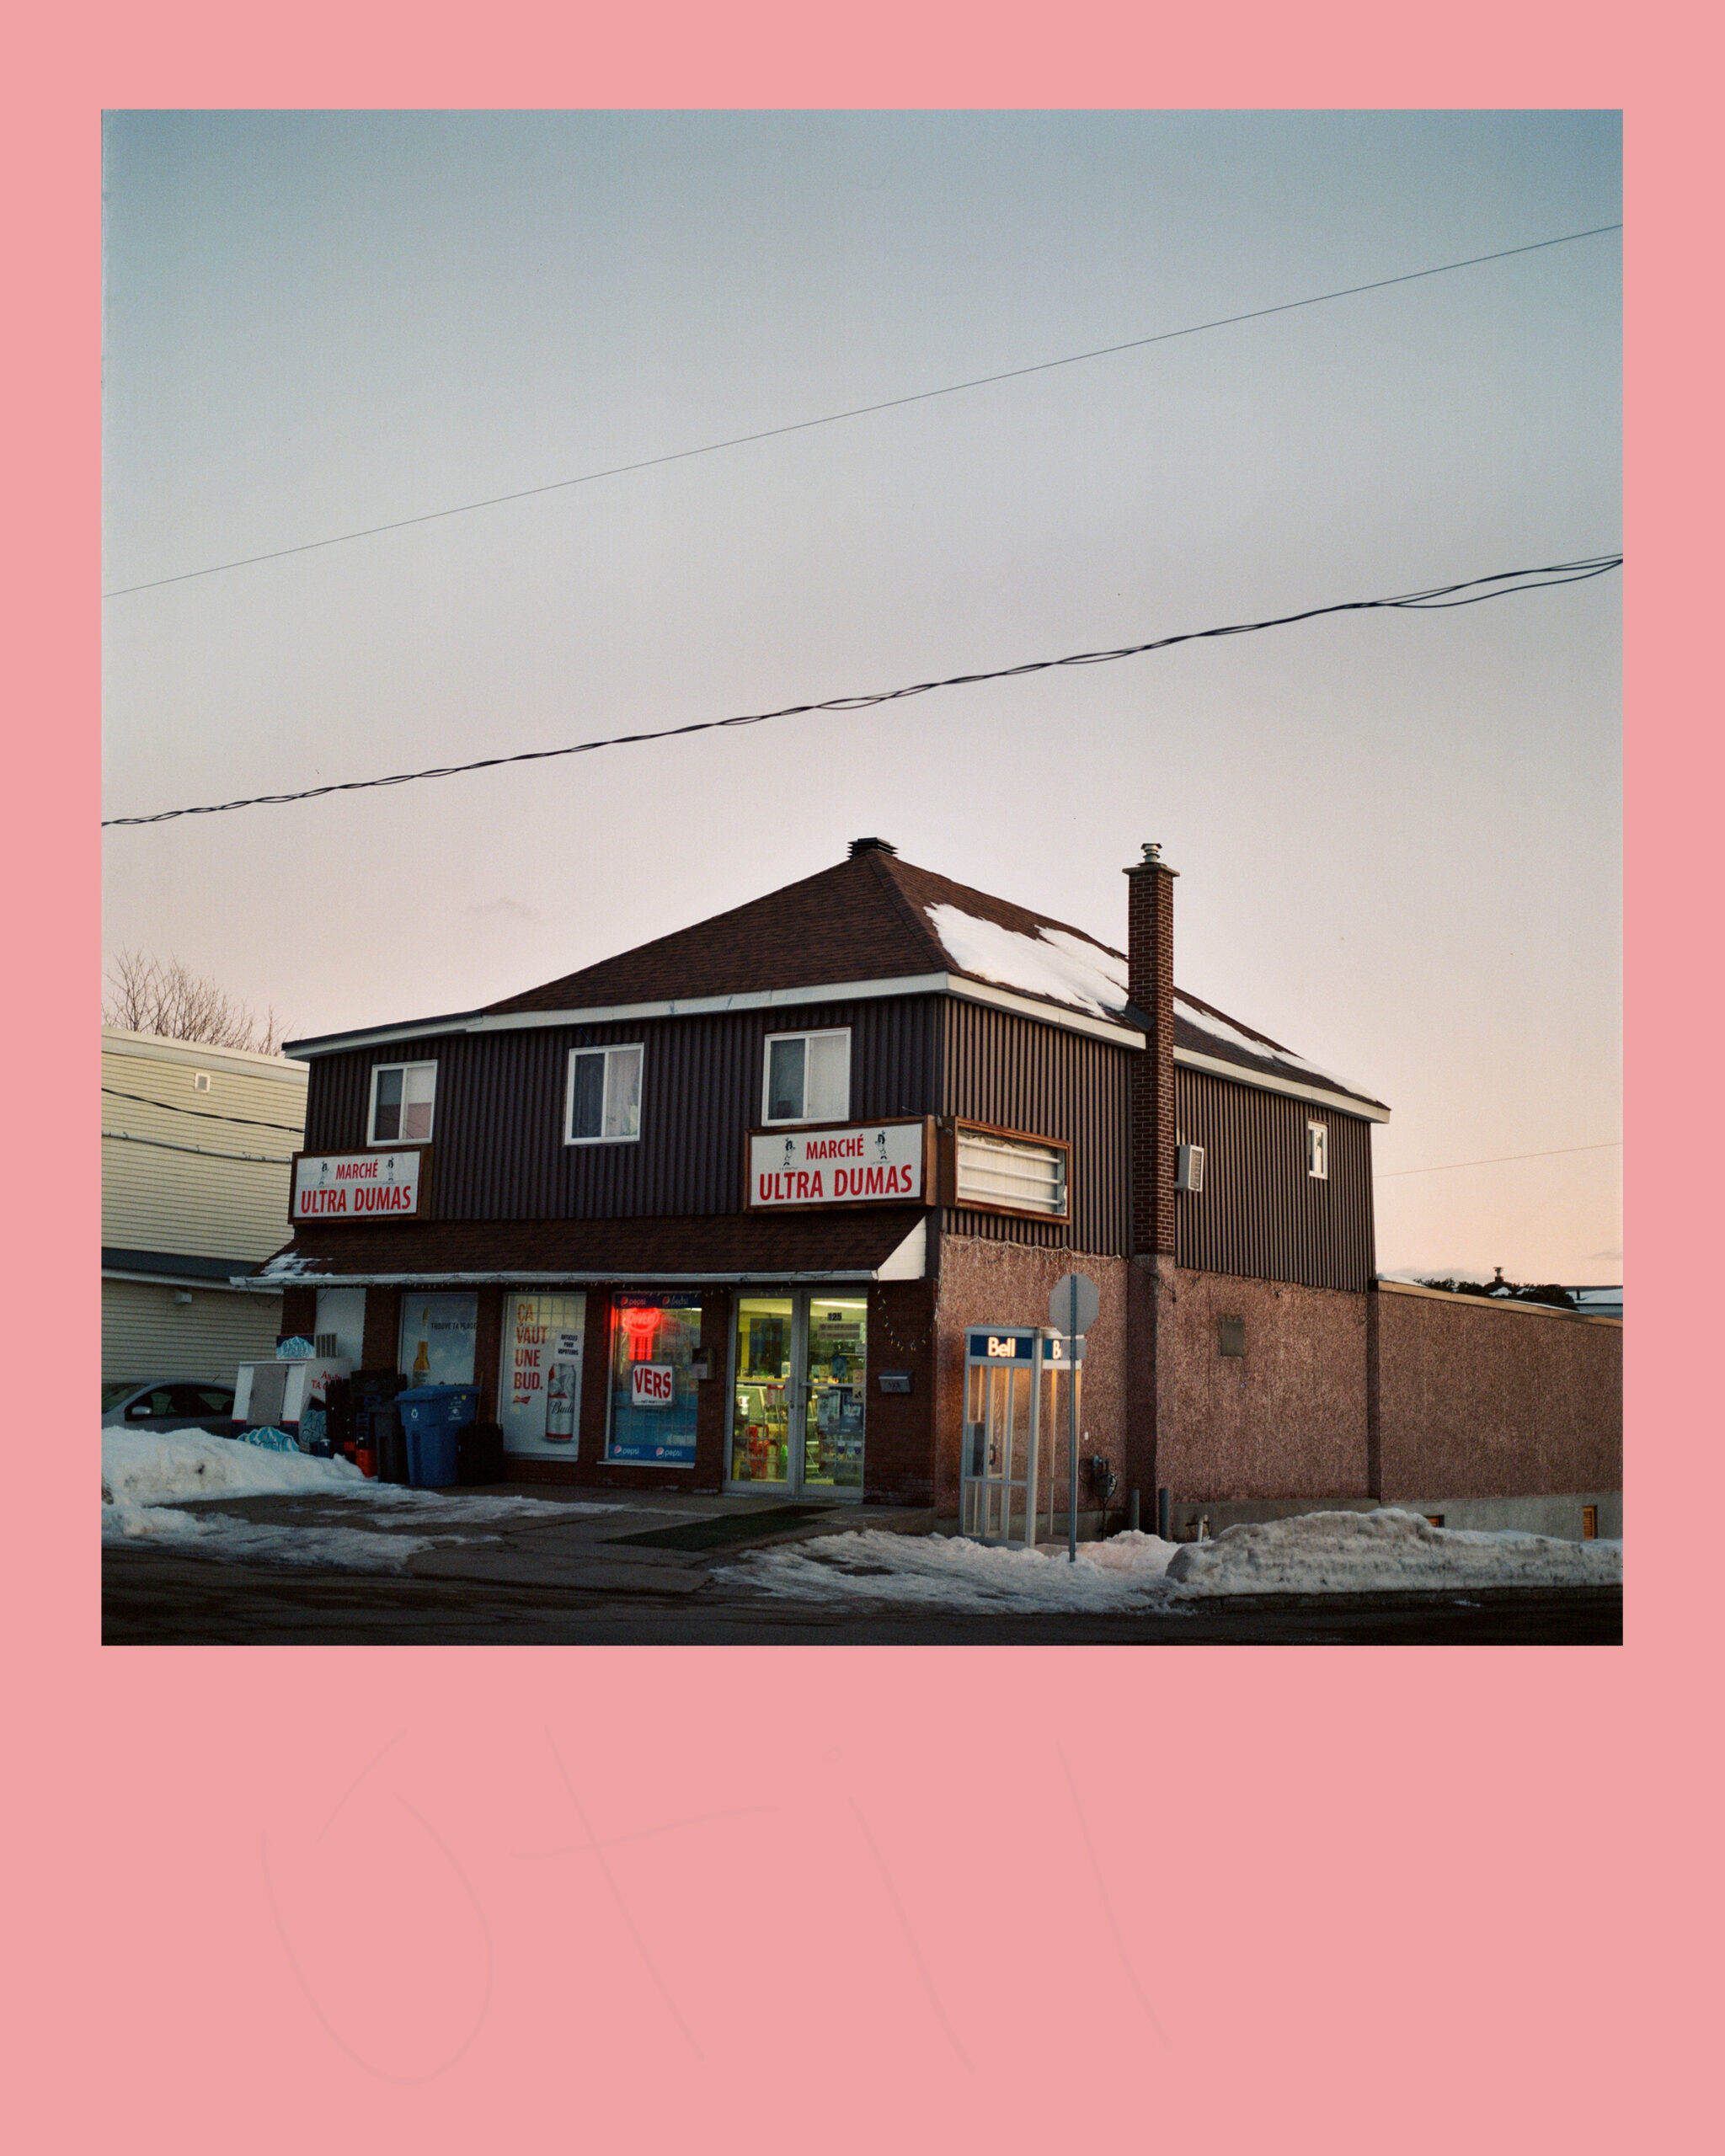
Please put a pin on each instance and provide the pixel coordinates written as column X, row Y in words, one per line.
column 640, row 1325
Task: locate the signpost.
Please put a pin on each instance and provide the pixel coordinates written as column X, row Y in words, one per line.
column 1072, row 1306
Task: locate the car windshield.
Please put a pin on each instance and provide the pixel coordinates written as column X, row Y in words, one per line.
column 110, row 1393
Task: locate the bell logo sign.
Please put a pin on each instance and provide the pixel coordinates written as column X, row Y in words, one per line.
column 652, row 1385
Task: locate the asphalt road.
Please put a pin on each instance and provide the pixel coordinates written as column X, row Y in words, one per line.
column 151, row 1597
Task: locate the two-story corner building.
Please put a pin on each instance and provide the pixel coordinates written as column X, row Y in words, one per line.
column 717, row 1212
column 196, row 1145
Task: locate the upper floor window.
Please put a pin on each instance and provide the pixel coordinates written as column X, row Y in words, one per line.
column 1317, row 1151
column 605, row 1096
column 402, row 1095
column 807, row 1078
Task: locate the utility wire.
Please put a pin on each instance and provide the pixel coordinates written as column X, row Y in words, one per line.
column 1606, row 1146
column 209, row 1114
column 1507, row 581
column 205, row 1152
column 856, row 412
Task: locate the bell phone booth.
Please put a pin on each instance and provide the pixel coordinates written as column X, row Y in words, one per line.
column 1019, row 1411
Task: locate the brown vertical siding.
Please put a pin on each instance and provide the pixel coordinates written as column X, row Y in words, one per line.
column 498, row 1147
column 1021, row 1075
column 1260, row 1213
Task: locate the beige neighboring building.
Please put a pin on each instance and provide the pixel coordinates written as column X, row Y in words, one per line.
column 195, row 1153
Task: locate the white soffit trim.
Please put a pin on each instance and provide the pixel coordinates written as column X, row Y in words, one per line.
column 594, row 1277
column 1268, row 1082
column 910, row 1261
column 177, row 1280
column 770, row 999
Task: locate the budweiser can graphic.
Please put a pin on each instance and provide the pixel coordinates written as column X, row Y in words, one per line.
column 560, row 1404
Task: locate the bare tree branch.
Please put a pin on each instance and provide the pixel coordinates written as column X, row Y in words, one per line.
column 166, row 998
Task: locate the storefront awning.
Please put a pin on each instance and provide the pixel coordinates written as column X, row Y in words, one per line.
column 874, row 1243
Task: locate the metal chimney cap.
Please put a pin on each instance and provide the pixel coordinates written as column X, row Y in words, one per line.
column 870, row 846
column 1152, row 849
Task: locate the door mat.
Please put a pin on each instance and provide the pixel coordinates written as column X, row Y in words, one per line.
column 725, row 1528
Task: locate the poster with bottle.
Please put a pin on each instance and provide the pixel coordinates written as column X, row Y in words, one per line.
column 439, row 1334
column 539, row 1391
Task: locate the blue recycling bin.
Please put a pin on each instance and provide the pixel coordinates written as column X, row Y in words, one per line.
column 430, row 1416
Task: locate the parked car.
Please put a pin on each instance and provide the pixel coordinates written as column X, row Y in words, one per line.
column 168, row 1403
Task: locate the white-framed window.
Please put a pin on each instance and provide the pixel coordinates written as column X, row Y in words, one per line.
column 1317, row 1151
column 402, row 1097
column 604, row 1105
column 807, row 1077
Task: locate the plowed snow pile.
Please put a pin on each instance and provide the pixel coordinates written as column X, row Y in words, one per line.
column 147, row 1478
column 1316, row 1553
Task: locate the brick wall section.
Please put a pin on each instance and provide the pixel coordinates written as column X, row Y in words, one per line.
column 1481, row 1400
column 1287, row 1419
column 898, row 1446
column 984, row 1283
column 382, row 1333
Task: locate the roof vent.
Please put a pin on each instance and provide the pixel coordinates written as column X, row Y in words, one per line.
column 870, row 846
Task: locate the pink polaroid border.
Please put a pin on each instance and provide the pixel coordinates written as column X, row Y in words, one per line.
column 643, row 1899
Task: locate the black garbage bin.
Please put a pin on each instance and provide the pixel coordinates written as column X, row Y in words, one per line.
column 389, row 1442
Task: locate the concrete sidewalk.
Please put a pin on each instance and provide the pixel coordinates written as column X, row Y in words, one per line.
column 555, row 1537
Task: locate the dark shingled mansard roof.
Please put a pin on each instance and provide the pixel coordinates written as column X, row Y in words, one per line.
column 864, row 919
column 867, row 919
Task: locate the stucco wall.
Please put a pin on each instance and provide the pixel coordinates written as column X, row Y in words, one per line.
column 988, row 1282
column 1480, row 1399
column 1286, row 1419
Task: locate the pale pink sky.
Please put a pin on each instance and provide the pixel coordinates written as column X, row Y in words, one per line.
column 1398, row 834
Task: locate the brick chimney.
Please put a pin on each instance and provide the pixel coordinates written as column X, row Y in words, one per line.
column 1150, row 980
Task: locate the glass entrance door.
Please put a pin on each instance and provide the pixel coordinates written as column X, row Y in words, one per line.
column 799, row 1360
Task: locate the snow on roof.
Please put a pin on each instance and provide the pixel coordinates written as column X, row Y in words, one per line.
column 1259, row 1044
column 1065, row 968
column 1069, row 969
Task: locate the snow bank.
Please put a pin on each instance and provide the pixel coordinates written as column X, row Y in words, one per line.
column 1316, row 1553
column 145, row 1480
column 140, row 1467
column 1351, row 1553
column 872, row 1566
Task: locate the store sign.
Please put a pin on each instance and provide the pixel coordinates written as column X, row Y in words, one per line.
column 652, row 1385
column 861, row 1163
column 356, row 1186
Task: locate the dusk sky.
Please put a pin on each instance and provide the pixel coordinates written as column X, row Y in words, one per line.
column 1398, row 833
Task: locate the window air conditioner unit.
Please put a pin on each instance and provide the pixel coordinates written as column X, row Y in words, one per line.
column 1189, row 1169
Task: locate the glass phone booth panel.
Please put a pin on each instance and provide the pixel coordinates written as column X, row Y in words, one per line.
column 998, row 1484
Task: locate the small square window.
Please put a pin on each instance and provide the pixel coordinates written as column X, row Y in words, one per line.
column 807, row 1078
column 402, row 1096
column 605, row 1096
column 1317, row 1151
column 1232, row 1337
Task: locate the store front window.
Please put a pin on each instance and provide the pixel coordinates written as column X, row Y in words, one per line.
column 653, row 1388
column 539, row 1394
column 797, row 1399
column 438, row 1337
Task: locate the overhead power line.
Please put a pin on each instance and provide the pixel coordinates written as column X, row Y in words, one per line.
column 210, row 1115
column 855, row 412
column 1606, row 1145
column 205, row 1152
column 1503, row 586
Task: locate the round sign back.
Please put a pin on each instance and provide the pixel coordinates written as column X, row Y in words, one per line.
column 1060, row 1303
